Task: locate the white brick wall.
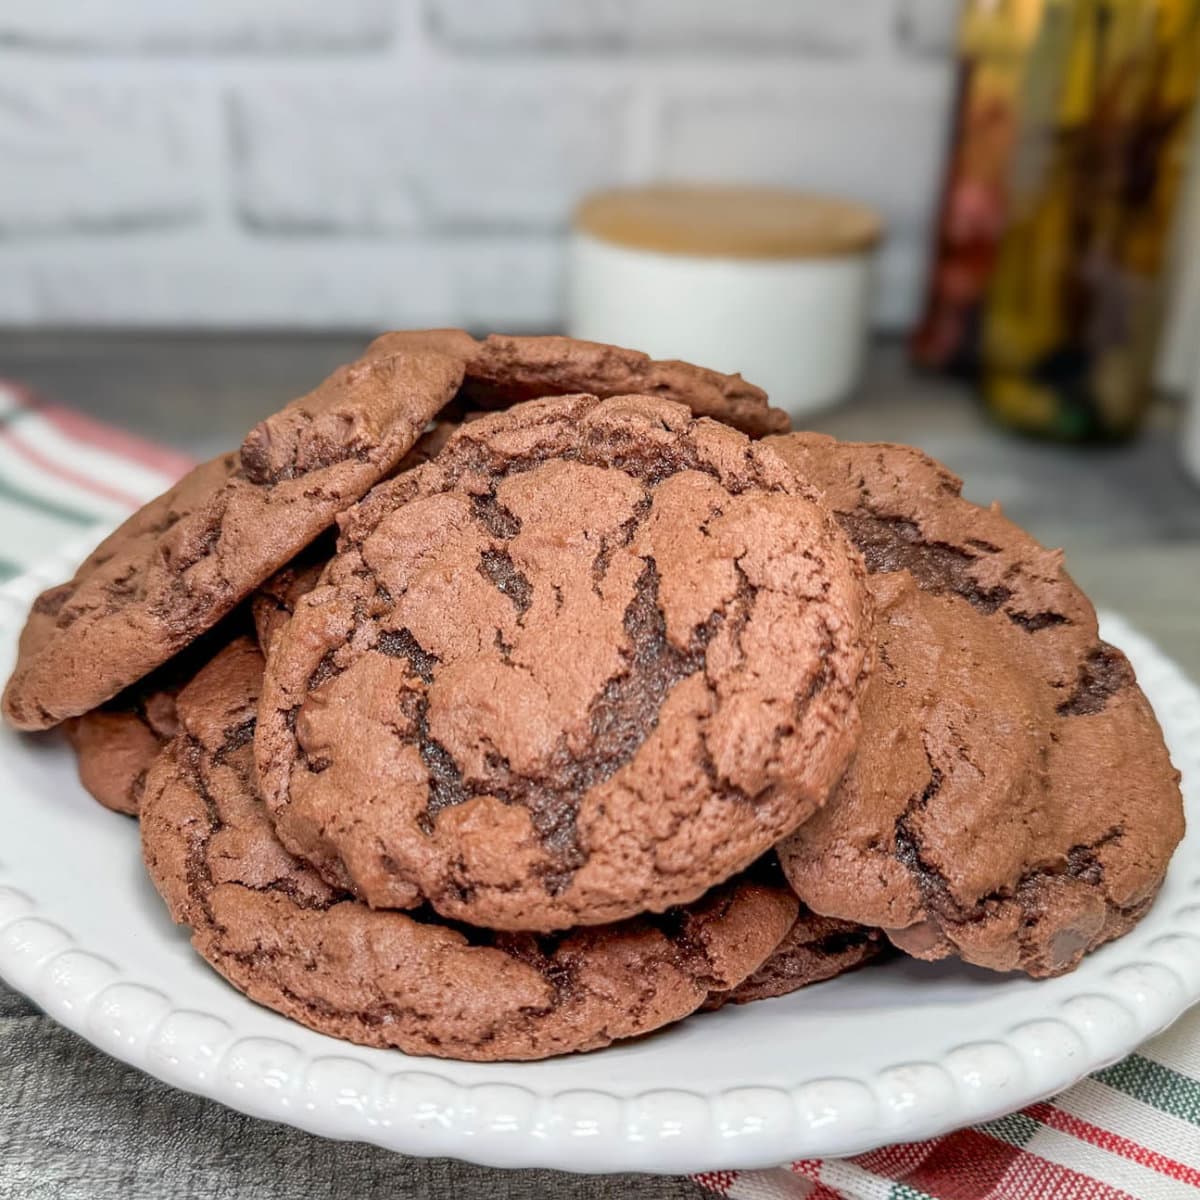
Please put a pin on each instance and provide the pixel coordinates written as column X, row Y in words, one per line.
column 392, row 158
column 196, row 26
column 724, row 26
column 370, row 162
column 95, row 156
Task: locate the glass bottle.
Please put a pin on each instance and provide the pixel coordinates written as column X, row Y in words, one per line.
column 1068, row 316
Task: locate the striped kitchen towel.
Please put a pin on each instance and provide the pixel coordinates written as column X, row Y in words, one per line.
column 62, row 472
column 1131, row 1130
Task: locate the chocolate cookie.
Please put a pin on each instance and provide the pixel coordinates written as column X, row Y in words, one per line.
column 814, row 949
column 430, row 443
column 185, row 560
column 503, row 370
column 116, row 743
column 595, row 658
column 272, row 604
column 280, row 934
column 1011, row 800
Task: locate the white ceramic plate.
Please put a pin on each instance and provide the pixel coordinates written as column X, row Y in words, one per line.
column 899, row 1052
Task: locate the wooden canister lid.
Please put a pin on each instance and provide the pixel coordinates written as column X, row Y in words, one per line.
column 729, row 222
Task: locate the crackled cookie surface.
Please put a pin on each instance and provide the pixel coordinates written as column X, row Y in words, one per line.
column 273, row 602
column 187, row 558
column 278, row 932
column 1011, row 800
column 503, row 370
column 593, row 659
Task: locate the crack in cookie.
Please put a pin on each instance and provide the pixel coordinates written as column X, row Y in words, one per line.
column 496, row 519
column 497, row 567
column 933, row 884
column 896, row 544
column 1102, row 675
column 622, row 715
column 400, row 643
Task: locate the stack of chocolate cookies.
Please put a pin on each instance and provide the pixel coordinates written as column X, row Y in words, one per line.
column 504, row 699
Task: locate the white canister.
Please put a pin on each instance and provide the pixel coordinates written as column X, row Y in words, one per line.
column 770, row 283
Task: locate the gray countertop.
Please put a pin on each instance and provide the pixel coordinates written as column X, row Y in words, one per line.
column 75, row 1124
